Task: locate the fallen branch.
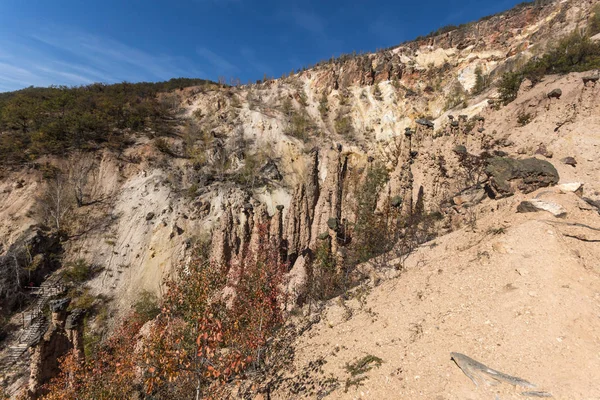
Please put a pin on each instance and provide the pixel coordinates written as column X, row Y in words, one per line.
column 480, row 374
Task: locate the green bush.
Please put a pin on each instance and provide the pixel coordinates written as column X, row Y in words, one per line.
column 370, row 236
column 343, row 125
column 39, row 121
column 574, row 53
column 523, row 118
column 509, row 86
column 249, row 173
column 481, row 81
column 162, row 146
column 456, row 97
column 77, row 272
column 377, row 92
column 299, row 126
column 324, row 105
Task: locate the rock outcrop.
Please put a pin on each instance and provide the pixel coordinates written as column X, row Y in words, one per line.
column 64, row 334
column 508, row 174
column 299, row 219
column 25, row 262
column 535, row 205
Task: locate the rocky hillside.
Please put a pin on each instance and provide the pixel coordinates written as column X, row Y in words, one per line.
column 337, row 158
column 516, row 289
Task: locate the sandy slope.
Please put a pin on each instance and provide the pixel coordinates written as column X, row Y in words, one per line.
column 525, row 302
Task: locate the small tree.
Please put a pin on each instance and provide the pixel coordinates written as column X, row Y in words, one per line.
column 509, row 86
column 481, row 81
column 110, row 374
column 370, row 230
column 81, row 176
column 324, row 105
column 56, row 201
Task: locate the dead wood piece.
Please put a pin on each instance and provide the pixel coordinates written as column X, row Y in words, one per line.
column 480, row 373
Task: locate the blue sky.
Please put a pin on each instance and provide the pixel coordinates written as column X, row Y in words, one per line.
column 74, row 42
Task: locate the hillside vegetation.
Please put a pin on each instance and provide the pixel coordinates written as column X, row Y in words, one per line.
column 55, row 120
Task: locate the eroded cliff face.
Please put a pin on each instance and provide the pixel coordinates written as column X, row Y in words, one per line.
column 283, row 161
column 291, row 153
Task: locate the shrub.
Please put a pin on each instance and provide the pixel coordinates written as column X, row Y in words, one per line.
column 196, row 343
column 509, row 86
column 146, row 307
column 377, row 92
column 162, row 146
column 108, row 374
column 370, row 235
column 574, row 53
column 325, row 281
column 343, row 125
column 248, row 175
column 324, row 105
column 299, row 126
column 456, row 97
column 358, row 368
column 55, row 120
column 523, row 118
column 77, row 272
column 481, row 81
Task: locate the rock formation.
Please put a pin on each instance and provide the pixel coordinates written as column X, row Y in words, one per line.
column 507, row 174
column 65, row 333
column 299, row 219
column 26, row 261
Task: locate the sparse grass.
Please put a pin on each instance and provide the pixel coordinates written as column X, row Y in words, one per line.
column 343, row 125
column 360, row 367
column 77, row 272
column 496, row 231
column 363, row 365
column 299, row 126
column 524, row 118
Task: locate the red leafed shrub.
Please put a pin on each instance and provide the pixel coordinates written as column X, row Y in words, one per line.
column 110, row 374
column 198, row 342
column 257, row 309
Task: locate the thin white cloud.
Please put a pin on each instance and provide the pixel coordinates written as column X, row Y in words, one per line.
column 14, row 76
column 111, row 55
column 221, row 64
column 68, row 75
column 67, row 57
